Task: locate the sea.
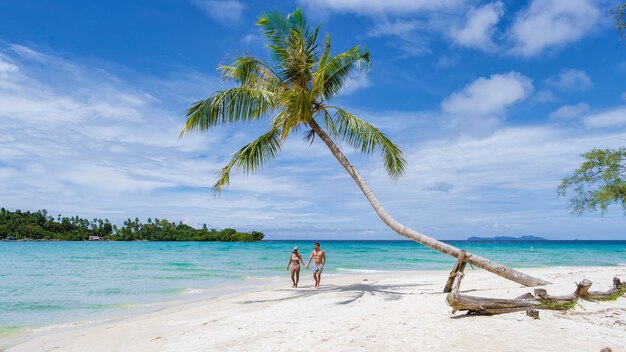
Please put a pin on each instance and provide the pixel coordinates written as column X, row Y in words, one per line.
column 45, row 284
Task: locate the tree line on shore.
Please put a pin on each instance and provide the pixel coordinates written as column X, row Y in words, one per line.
column 39, row 225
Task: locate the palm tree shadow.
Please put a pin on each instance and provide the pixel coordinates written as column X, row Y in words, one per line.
column 355, row 291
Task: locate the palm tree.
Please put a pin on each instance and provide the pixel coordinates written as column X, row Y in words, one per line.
column 295, row 92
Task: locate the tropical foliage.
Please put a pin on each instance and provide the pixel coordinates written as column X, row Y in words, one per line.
column 599, row 182
column 294, row 92
column 18, row 225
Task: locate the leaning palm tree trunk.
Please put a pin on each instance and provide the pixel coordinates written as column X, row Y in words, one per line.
column 411, row 234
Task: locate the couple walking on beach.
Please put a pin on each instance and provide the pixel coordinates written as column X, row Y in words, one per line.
column 296, row 261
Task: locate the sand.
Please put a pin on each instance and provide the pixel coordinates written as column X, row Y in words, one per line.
column 365, row 312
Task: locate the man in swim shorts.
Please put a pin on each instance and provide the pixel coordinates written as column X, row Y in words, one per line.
column 319, row 257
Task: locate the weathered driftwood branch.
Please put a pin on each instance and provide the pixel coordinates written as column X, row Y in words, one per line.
column 540, row 300
column 458, row 268
column 617, row 290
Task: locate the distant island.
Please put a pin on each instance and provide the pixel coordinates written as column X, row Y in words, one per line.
column 507, row 238
column 40, row 226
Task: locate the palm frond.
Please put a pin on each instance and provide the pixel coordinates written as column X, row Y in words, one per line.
column 297, row 103
column 252, row 72
column 309, row 136
column 229, row 106
column 251, row 157
column 320, row 73
column 366, row 138
column 276, row 28
column 298, row 23
column 336, row 71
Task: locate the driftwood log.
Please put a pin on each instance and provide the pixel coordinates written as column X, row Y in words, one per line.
column 456, row 271
column 530, row 302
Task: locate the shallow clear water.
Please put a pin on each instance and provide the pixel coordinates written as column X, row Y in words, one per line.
column 54, row 282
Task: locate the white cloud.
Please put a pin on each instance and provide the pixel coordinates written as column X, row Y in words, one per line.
column 31, row 100
column 404, row 35
column 489, row 95
column 379, row 8
column 523, row 158
column 480, row 105
column 223, row 11
column 552, row 24
column 610, row 118
column 6, row 67
column 399, row 28
column 567, row 112
column 355, row 81
column 408, row 24
column 570, row 79
column 480, row 26
column 509, row 176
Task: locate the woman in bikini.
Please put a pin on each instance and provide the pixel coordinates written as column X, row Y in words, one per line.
column 294, row 266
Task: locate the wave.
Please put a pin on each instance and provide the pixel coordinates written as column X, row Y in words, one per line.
column 181, row 291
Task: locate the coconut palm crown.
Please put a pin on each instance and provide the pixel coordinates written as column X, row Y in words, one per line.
column 295, row 92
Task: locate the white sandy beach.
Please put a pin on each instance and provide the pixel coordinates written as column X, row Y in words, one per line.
column 365, row 312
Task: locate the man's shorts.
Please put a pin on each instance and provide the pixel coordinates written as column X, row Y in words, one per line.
column 318, row 268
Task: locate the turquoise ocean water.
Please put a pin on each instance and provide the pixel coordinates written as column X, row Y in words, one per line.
column 45, row 283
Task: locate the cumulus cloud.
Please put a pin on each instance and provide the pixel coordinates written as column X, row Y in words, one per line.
column 478, row 30
column 552, row 24
column 223, row 11
column 568, row 112
column 489, row 95
column 482, row 103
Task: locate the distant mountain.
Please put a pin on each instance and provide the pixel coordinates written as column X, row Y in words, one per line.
column 507, row 238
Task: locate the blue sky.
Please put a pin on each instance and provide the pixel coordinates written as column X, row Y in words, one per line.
column 492, row 102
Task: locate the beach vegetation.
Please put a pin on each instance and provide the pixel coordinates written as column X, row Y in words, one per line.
column 39, row 225
column 557, row 305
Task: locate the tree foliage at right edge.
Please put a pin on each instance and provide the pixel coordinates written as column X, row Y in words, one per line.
column 620, row 20
column 599, row 182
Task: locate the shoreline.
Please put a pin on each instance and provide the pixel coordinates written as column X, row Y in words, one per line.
column 225, row 310
column 227, row 288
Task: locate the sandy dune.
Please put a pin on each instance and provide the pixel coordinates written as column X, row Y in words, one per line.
column 365, row 312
